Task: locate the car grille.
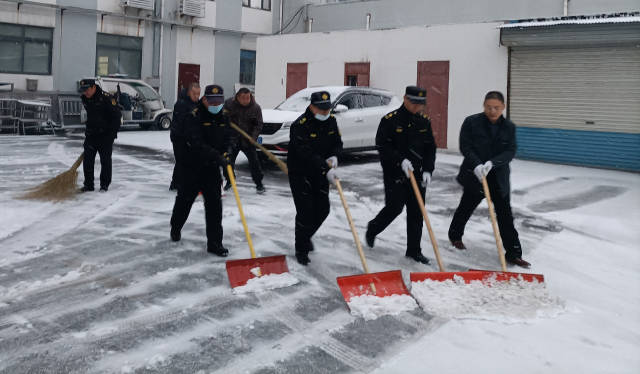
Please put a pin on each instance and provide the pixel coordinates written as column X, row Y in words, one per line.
column 270, row 128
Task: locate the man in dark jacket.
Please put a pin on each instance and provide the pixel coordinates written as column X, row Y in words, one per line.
column 187, row 101
column 103, row 122
column 207, row 139
column 406, row 145
column 314, row 145
column 488, row 144
column 247, row 114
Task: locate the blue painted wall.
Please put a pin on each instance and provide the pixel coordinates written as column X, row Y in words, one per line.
column 588, row 148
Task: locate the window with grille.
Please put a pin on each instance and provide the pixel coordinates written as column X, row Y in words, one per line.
column 116, row 54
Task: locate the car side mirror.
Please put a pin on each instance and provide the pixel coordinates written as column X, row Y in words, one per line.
column 340, row 108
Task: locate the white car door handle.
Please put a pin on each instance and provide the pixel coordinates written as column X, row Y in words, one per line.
column 359, row 120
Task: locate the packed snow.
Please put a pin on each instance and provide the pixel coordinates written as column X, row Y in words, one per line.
column 266, row 282
column 504, row 301
column 371, row 307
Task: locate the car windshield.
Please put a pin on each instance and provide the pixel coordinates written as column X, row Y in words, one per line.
column 145, row 91
column 299, row 101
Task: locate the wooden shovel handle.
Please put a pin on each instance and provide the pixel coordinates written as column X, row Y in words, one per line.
column 356, row 238
column 232, row 179
column 271, row 156
column 432, row 236
column 494, row 223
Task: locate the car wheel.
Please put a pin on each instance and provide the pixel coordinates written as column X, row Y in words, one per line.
column 164, row 123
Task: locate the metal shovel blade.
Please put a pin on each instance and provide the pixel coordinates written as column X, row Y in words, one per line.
column 240, row 271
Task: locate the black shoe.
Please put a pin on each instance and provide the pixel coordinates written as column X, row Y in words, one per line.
column 518, row 261
column 369, row 237
column 260, row 189
column 303, row 258
column 86, row 189
column 104, row 189
column 175, row 235
column 218, row 251
column 419, row 258
column 227, row 186
column 458, row 244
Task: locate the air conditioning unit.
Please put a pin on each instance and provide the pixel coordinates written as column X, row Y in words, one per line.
column 193, row 8
column 140, row 4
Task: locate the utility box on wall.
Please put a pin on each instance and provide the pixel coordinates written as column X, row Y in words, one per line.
column 139, row 4
column 193, row 8
column 32, row 84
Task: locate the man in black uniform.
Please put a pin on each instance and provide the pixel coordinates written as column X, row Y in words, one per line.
column 406, row 145
column 103, row 122
column 187, row 101
column 207, row 138
column 314, row 145
column 488, row 144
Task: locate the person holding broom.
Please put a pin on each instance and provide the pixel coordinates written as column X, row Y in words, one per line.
column 488, row 144
column 103, row 122
column 208, row 146
column 406, row 145
column 314, row 145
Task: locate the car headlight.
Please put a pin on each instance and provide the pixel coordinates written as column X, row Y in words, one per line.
column 286, row 125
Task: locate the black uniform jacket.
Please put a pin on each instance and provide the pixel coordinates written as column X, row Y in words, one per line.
column 311, row 142
column 207, row 138
column 181, row 110
column 478, row 145
column 403, row 135
column 103, row 115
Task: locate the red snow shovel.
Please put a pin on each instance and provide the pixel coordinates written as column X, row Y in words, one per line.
column 240, row 271
column 482, row 275
column 377, row 284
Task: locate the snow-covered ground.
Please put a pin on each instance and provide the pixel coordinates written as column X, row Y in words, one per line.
column 95, row 285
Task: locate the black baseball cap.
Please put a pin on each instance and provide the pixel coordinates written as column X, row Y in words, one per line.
column 214, row 94
column 86, row 83
column 321, row 100
column 416, row 95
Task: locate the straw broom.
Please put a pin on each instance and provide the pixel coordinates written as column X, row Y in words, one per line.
column 59, row 188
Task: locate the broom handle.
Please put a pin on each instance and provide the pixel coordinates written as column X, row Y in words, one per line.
column 356, row 238
column 434, row 243
column 244, row 222
column 76, row 164
column 271, row 156
column 496, row 230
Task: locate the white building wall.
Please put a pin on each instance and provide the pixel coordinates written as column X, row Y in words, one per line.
column 477, row 62
column 196, row 47
column 256, row 20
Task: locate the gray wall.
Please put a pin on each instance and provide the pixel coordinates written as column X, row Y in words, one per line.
column 402, row 13
column 226, row 68
column 74, row 52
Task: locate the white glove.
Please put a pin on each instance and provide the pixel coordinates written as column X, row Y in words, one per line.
column 332, row 161
column 332, row 176
column 486, row 168
column 426, row 179
column 479, row 172
column 406, row 167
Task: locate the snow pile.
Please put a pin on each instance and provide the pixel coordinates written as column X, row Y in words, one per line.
column 507, row 301
column 371, row 307
column 266, row 282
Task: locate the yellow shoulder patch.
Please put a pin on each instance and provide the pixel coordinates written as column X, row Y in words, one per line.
column 313, row 135
column 113, row 102
column 194, row 111
column 389, row 115
column 303, row 120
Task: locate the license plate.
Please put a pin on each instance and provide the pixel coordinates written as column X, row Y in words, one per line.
column 259, row 139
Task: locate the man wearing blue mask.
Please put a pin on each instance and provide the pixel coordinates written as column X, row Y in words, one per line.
column 208, row 141
column 406, row 145
column 314, row 145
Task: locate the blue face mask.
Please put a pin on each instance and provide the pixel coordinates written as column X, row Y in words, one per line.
column 215, row 109
column 321, row 117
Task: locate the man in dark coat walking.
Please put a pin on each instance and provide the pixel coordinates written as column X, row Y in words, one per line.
column 247, row 114
column 103, row 122
column 488, row 144
column 314, row 146
column 406, row 145
column 187, row 101
column 207, row 140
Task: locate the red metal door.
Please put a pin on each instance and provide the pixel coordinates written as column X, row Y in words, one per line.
column 296, row 77
column 434, row 76
column 356, row 73
column 187, row 74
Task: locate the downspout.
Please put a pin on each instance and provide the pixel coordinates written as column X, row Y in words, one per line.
column 566, row 8
column 281, row 15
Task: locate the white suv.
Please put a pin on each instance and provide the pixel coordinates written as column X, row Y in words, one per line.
column 358, row 111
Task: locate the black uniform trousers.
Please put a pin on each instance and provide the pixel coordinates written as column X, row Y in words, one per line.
column 397, row 194
column 179, row 151
column 311, row 198
column 104, row 147
column 254, row 163
column 470, row 200
column 191, row 183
